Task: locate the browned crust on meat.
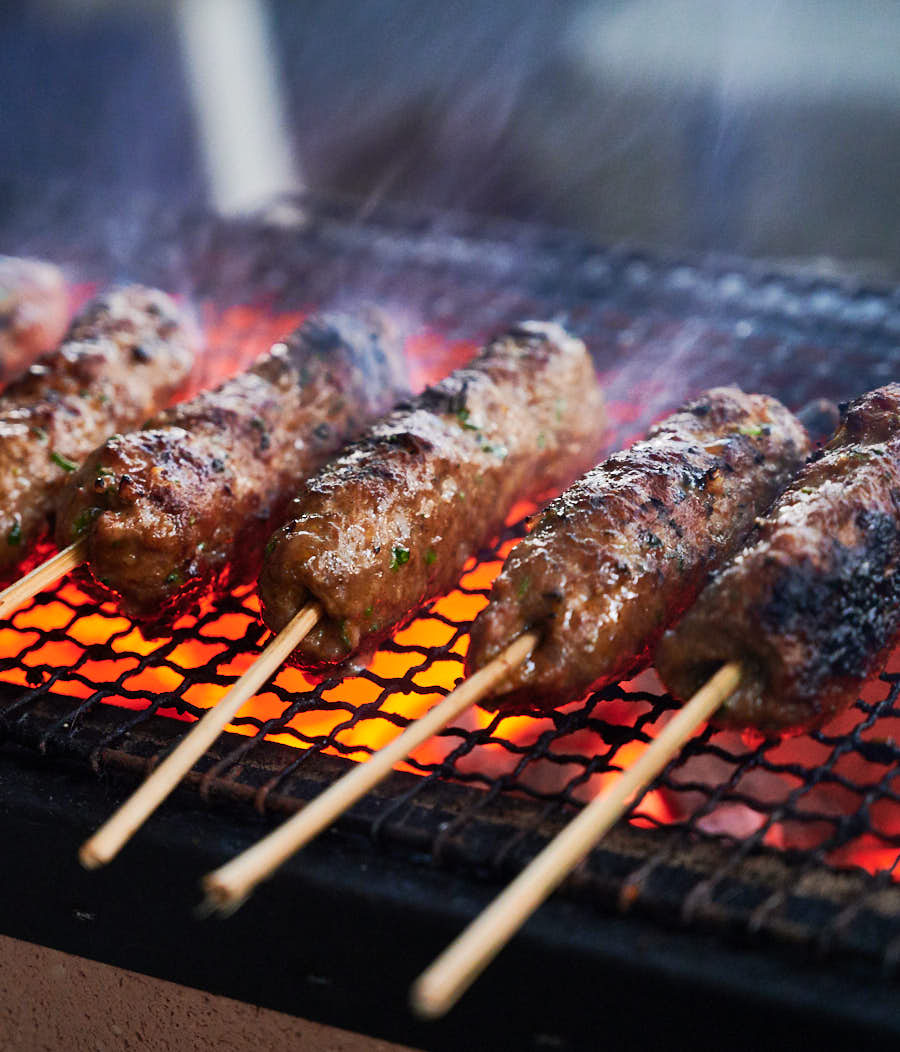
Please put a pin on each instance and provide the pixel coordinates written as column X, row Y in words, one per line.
column 811, row 606
column 393, row 520
column 34, row 312
column 625, row 550
column 123, row 359
column 189, row 502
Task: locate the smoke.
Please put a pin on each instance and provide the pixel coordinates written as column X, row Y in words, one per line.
column 768, row 129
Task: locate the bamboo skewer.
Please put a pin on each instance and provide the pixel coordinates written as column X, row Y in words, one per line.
column 227, row 887
column 57, row 566
column 444, row 982
column 105, row 844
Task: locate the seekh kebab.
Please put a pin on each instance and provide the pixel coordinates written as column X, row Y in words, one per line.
column 189, row 501
column 391, row 522
column 125, row 356
column 626, row 550
column 34, row 312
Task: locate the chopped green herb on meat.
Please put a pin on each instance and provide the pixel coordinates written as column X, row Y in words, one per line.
column 62, row 461
column 399, row 558
column 462, row 415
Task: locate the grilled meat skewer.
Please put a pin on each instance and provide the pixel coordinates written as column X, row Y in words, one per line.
column 810, row 608
column 393, row 520
column 124, row 357
column 191, row 499
column 34, row 312
column 623, row 552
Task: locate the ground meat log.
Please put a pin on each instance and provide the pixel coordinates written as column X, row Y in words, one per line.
column 123, row 359
column 189, row 501
column 34, row 312
column 394, row 519
column 811, row 606
column 622, row 553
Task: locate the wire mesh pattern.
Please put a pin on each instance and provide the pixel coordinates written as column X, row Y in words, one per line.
column 826, row 802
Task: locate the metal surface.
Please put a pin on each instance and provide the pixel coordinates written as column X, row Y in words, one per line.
column 765, row 840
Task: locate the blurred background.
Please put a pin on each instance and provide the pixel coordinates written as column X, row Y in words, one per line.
column 769, row 129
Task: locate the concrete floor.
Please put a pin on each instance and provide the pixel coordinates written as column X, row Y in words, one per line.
column 54, row 1002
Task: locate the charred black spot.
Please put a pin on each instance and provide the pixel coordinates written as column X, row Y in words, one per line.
column 409, row 442
column 448, row 398
column 693, row 476
column 848, row 609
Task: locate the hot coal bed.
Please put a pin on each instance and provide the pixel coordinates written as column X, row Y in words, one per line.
column 753, row 891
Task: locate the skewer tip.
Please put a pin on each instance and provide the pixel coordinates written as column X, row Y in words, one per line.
column 89, row 857
column 219, row 899
column 427, row 1003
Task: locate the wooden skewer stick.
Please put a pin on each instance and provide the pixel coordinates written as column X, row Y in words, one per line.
column 57, row 566
column 227, row 887
column 439, row 987
column 112, row 836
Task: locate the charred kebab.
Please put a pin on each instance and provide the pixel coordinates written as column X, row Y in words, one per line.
column 392, row 521
column 624, row 552
column 124, row 357
column 190, row 500
column 34, row 312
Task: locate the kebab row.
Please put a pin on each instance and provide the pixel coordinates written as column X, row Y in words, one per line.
column 599, row 561
column 392, row 520
column 788, row 627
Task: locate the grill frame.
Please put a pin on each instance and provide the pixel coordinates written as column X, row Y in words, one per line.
column 342, row 930
column 450, row 270
column 782, row 899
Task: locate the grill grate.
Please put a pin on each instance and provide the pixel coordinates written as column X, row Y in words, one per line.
column 799, row 840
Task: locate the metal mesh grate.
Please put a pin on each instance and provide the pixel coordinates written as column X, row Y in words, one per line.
column 800, row 838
